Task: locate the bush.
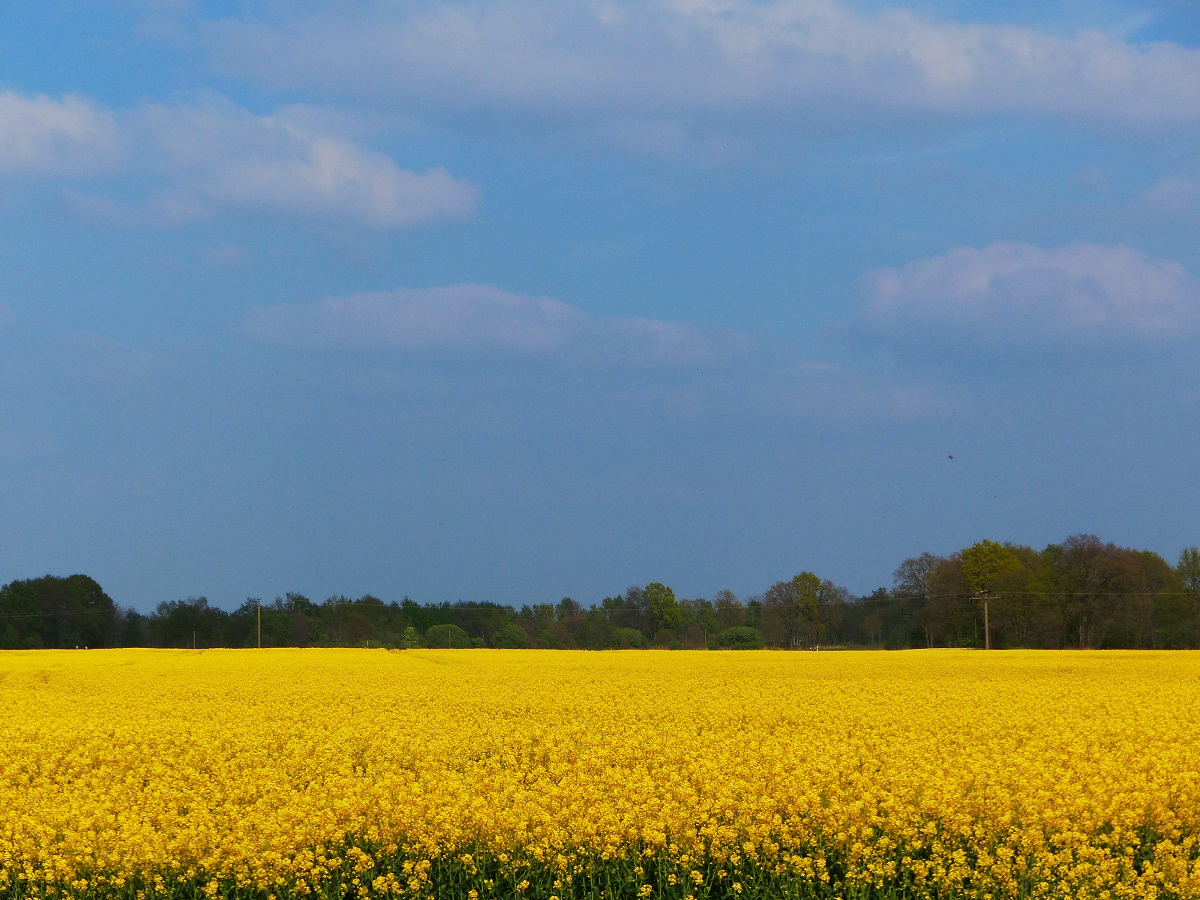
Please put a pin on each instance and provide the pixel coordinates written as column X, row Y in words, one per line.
column 511, row 636
column 629, row 639
column 443, row 636
column 741, row 638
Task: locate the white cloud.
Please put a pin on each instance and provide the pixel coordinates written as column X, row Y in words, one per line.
column 480, row 319
column 1010, row 295
column 806, row 62
column 212, row 156
column 1174, row 196
column 217, row 156
column 220, row 156
column 67, row 136
column 723, row 375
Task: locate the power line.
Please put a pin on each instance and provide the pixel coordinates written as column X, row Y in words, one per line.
column 1002, row 594
column 52, row 615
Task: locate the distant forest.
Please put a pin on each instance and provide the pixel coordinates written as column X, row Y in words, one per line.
column 1082, row 593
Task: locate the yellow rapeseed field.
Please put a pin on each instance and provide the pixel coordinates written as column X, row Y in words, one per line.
column 424, row 773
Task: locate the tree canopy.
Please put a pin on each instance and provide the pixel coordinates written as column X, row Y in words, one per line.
column 1081, row 592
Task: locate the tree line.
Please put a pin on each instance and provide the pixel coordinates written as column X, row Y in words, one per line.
column 1081, row 593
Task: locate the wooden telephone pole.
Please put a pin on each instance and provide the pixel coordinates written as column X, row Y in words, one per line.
column 985, row 595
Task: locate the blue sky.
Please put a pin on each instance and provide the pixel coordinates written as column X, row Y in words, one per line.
column 510, row 301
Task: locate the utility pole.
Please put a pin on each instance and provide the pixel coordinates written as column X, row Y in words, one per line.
column 987, row 631
column 984, row 595
column 259, row 623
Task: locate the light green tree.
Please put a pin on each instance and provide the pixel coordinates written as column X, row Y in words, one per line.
column 1189, row 569
column 988, row 565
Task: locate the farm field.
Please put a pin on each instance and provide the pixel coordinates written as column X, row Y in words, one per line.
column 541, row 774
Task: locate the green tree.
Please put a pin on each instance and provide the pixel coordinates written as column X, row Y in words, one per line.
column 1104, row 591
column 665, row 611
column 191, row 622
column 994, row 571
column 60, row 612
column 988, row 566
column 910, row 585
column 629, row 639
column 567, row 611
column 595, row 630
column 949, row 616
column 730, row 610
column 510, row 636
column 1189, row 569
column 22, row 609
column 447, row 636
column 791, row 610
column 740, row 637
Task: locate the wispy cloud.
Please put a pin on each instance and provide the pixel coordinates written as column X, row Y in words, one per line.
column 1009, row 295
column 674, row 371
column 809, row 63
column 218, row 156
column 481, row 319
column 1175, row 196
column 47, row 136
column 211, row 157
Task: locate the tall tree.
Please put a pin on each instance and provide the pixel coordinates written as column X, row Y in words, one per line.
column 664, row 609
column 911, row 584
column 24, row 625
column 989, row 566
column 997, row 577
column 791, row 610
column 1189, row 569
column 730, row 611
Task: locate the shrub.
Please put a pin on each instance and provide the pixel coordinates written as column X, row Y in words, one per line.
column 629, row 639
column 740, row 638
column 511, row 636
column 443, row 636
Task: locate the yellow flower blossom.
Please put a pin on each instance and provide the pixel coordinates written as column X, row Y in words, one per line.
column 283, row 772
